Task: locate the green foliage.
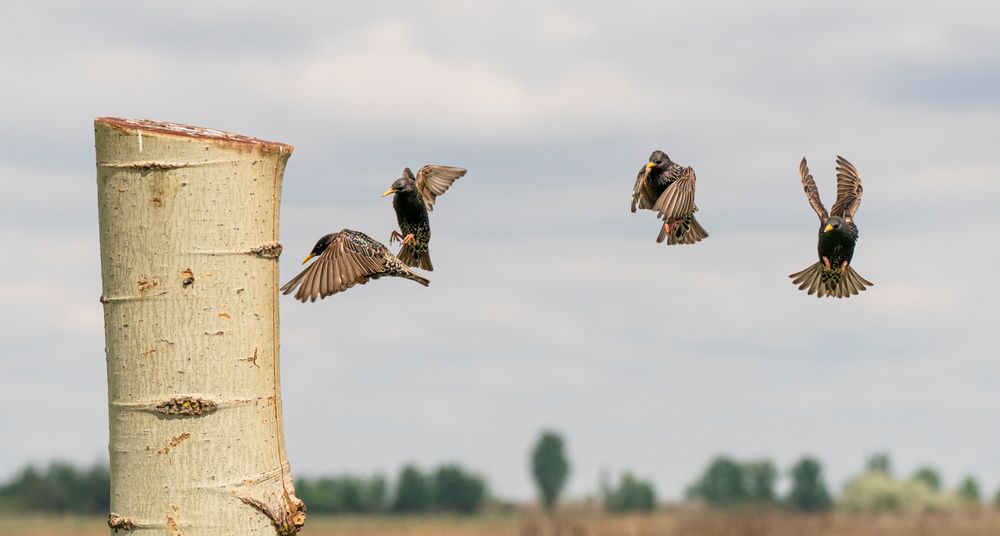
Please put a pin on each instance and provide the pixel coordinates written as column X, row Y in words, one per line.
column 760, row 476
column 413, row 491
column 928, row 475
column 879, row 463
column 876, row 491
column 454, row 490
column 343, row 494
column 968, row 490
column 808, row 493
column 728, row 483
column 996, row 499
column 550, row 467
column 60, row 487
column 631, row 495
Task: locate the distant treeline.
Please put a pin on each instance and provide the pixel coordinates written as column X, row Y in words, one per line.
column 448, row 488
column 58, row 488
column 726, row 483
column 729, row 483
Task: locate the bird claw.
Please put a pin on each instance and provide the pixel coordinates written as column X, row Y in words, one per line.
column 395, row 236
column 409, row 239
column 666, row 227
column 826, row 262
column 843, row 266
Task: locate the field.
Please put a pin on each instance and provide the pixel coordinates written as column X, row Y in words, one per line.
column 985, row 522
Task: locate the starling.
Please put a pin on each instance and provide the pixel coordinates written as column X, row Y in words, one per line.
column 346, row 259
column 413, row 198
column 833, row 276
column 668, row 188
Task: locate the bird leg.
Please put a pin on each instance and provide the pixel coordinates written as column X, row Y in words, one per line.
column 843, row 266
column 395, row 236
column 826, row 262
column 666, row 227
column 409, row 239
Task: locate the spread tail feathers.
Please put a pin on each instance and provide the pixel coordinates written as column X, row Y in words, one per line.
column 832, row 283
column 409, row 258
column 683, row 231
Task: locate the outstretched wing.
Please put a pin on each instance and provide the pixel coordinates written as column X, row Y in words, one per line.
column 809, row 185
column 642, row 192
column 433, row 181
column 848, row 190
column 677, row 201
column 349, row 260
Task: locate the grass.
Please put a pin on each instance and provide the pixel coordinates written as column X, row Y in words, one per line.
column 683, row 523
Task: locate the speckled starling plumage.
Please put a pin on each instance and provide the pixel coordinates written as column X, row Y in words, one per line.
column 413, row 197
column 668, row 188
column 346, row 259
column 833, row 275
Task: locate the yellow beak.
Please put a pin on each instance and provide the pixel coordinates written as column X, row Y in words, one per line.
column 649, row 165
column 389, row 191
column 311, row 255
column 828, row 228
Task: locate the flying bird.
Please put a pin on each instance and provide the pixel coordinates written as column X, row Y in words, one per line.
column 346, row 259
column 413, row 198
column 668, row 188
column 833, row 276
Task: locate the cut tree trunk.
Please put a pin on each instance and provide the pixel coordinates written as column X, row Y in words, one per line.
column 189, row 262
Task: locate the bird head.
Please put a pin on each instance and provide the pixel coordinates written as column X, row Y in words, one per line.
column 834, row 223
column 401, row 184
column 319, row 248
column 658, row 158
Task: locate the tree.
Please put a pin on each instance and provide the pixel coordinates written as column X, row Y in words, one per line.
column 879, row 463
column 928, row 475
column 968, row 490
column 59, row 488
column 876, row 492
column 722, row 484
column 374, row 495
column 454, row 490
column 550, row 467
column 343, row 494
column 760, row 476
column 631, row 495
column 188, row 230
column 808, row 493
column 413, row 491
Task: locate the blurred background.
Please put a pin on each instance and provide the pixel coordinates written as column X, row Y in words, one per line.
column 551, row 307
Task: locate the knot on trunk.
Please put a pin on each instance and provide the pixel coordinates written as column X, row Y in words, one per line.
column 117, row 522
column 187, row 406
column 270, row 250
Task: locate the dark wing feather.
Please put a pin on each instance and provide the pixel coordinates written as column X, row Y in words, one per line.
column 346, row 262
column 809, row 185
column 433, row 181
column 642, row 192
column 677, row 201
column 848, row 190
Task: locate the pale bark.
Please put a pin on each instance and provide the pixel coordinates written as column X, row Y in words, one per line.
column 189, row 230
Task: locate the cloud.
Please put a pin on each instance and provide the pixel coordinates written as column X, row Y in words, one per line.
column 551, row 304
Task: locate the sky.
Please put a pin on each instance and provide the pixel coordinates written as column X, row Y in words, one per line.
column 551, row 305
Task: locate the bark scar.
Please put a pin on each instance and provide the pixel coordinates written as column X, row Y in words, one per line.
column 289, row 521
column 252, row 359
column 187, row 406
column 117, row 522
column 174, row 441
column 172, row 526
column 270, row 250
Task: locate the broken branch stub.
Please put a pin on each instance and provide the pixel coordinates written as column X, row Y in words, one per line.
column 189, row 228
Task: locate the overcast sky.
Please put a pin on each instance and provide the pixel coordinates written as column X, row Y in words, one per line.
column 551, row 305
